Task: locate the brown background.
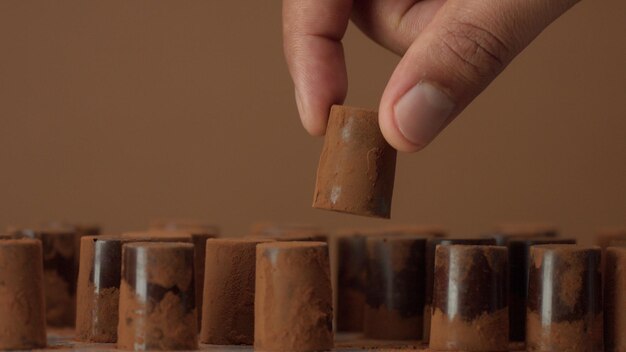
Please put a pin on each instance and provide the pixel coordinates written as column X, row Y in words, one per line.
column 122, row 111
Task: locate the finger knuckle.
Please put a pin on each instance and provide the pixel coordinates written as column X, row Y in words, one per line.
column 477, row 51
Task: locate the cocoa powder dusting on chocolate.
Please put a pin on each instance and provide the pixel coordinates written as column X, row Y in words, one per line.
column 22, row 319
column 293, row 303
column 228, row 311
column 564, row 336
column 162, row 325
column 477, row 334
column 97, row 319
column 571, row 282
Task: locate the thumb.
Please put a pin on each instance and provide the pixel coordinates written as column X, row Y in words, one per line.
column 465, row 46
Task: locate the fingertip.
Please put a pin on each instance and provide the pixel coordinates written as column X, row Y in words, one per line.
column 314, row 123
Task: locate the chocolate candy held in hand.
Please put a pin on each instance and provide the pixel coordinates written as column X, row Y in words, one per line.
column 357, row 167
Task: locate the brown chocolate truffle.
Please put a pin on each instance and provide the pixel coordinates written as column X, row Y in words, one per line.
column 564, row 299
column 157, row 309
column 293, row 301
column 615, row 300
column 431, row 246
column 98, row 288
column 199, row 239
column 357, row 167
column 228, row 313
column 395, row 287
column 22, row 322
column 351, row 280
column 470, row 311
column 519, row 264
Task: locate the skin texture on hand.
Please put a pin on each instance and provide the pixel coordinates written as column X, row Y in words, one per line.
column 451, row 50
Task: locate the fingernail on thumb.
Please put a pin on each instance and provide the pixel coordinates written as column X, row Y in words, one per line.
column 421, row 113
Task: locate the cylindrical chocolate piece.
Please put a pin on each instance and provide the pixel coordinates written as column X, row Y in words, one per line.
column 199, row 239
column 293, row 301
column 100, row 276
column 228, row 312
column 99, row 280
column 564, row 299
column 470, row 311
column 351, row 280
column 357, row 166
column 615, row 299
column 395, row 287
column 157, row 309
column 431, row 246
column 22, row 322
column 519, row 264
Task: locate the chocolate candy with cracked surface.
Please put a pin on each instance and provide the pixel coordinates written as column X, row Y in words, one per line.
column 357, row 166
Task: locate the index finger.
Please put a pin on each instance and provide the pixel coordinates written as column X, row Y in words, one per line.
column 312, row 33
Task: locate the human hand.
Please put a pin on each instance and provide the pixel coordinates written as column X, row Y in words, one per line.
column 452, row 49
